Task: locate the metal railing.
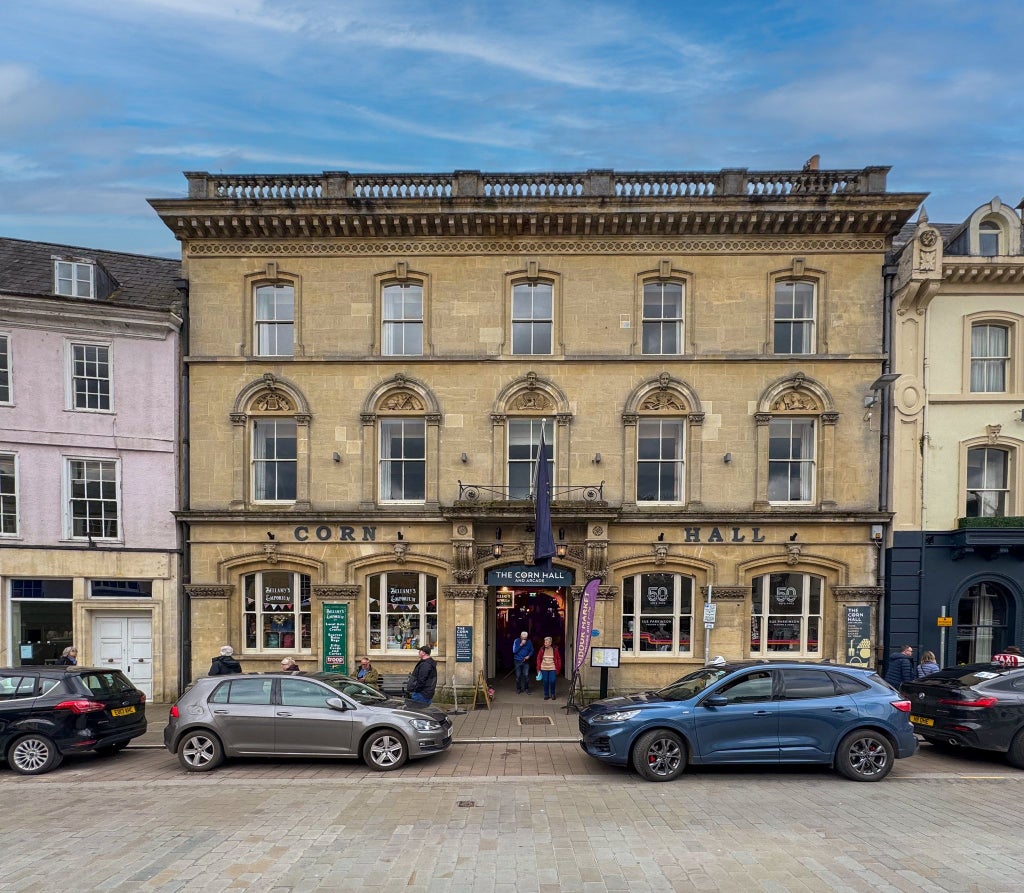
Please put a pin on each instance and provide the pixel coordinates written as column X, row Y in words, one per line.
column 481, row 493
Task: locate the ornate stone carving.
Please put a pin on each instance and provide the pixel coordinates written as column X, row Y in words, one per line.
column 464, row 593
column 534, row 401
column 597, row 560
column 400, row 551
column 695, row 418
column 727, row 593
column 336, row 592
column 660, row 553
column 762, row 418
column 272, row 401
column 794, row 401
column 604, row 593
column 402, row 401
column 830, row 418
column 663, row 401
column 464, row 568
column 993, row 432
column 270, row 553
column 208, row 590
column 868, row 594
column 793, row 551
column 927, row 254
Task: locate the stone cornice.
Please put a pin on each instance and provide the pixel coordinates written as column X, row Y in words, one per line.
column 413, row 246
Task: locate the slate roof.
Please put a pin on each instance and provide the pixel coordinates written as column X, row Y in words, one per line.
column 135, row 280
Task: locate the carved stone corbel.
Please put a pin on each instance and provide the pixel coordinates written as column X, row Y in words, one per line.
column 336, row 592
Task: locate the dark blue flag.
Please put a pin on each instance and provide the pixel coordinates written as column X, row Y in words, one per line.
column 543, row 537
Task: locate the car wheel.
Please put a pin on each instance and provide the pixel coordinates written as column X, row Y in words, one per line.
column 33, row 755
column 1015, row 755
column 659, row 755
column 108, row 750
column 200, row 752
column 865, row 755
column 384, row 751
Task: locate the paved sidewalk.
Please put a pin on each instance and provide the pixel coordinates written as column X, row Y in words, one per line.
column 511, row 718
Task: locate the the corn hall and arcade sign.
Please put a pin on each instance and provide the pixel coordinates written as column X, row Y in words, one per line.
column 350, row 533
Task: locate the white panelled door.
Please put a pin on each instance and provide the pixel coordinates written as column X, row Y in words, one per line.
column 125, row 642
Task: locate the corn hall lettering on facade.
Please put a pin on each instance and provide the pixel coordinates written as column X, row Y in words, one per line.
column 374, row 361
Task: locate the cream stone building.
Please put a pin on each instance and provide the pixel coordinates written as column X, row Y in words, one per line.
column 372, row 360
column 956, row 579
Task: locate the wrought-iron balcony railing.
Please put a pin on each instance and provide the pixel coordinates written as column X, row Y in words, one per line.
column 481, row 494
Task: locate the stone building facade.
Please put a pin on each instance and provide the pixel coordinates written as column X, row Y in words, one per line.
column 372, row 360
column 956, row 566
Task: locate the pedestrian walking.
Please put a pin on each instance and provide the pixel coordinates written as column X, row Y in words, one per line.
column 549, row 665
column 522, row 651
column 901, row 667
column 927, row 666
column 224, row 664
column 69, row 656
column 423, row 678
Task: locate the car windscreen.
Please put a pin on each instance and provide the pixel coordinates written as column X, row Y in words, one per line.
column 358, row 692
column 690, row 685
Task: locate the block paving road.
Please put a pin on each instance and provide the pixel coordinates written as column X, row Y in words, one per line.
column 507, row 816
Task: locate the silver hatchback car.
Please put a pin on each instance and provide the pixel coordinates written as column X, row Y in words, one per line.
column 299, row 715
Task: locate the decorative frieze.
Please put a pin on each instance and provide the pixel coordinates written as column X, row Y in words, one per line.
column 727, row 593
column 208, row 590
column 336, row 592
column 457, row 592
column 868, row 594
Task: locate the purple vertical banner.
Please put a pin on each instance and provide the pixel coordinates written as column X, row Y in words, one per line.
column 585, row 623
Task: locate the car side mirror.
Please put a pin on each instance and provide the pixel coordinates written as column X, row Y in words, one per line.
column 716, row 701
column 337, row 704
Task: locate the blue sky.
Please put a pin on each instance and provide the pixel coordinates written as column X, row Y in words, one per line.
column 103, row 103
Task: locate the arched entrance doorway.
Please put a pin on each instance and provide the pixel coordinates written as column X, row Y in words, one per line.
column 985, row 622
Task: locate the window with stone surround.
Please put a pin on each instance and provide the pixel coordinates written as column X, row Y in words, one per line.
column 663, row 315
column 274, row 316
column 785, row 615
column 990, row 357
column 402, row 319
column 661, row 446
column 401, row 611
column 794, row 316
column 532, row 318
column 523, row 444
column 657, row 614
column 276, row 611
column 988, row 492
column 403, row 460
column 274, row 460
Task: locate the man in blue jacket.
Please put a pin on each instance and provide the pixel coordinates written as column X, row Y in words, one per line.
column 901, row 667
column 522, row 651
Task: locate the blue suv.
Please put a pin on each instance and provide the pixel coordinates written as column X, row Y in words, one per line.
column 755, row 712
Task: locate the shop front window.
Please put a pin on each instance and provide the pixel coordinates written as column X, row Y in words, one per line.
column 277, row 612
column 402, row 611
column 657, row 614
column 983, row 623
column 785, row 615
column 41, row 623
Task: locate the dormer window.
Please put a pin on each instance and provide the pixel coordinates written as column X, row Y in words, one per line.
column 988, row 238
column 74, row 279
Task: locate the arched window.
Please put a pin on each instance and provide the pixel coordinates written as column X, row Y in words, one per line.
column 657, row 614
column 983, row 617
column 276, row 606
column 401, row 611
column 989, row 233
column 785, row 615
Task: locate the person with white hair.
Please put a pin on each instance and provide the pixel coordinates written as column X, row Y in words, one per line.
column 224, row 664
column 522, row 651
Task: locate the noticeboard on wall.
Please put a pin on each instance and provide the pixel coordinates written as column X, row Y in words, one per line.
column 335, row 649
column 604, row 657
column 463, row 644
column 858, row 634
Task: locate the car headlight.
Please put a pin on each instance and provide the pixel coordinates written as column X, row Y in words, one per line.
column 425, row 725
column 617, row 716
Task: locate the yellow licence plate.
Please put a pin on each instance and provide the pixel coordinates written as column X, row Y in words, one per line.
column 122, row 711
column 921, row 721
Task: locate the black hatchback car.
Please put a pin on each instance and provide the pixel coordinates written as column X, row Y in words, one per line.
column 976, row 705
column 47, row 712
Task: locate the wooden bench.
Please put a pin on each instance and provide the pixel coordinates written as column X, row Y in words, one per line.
column 393, row 683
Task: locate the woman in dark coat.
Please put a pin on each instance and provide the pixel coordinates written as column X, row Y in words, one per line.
column 225, row 664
